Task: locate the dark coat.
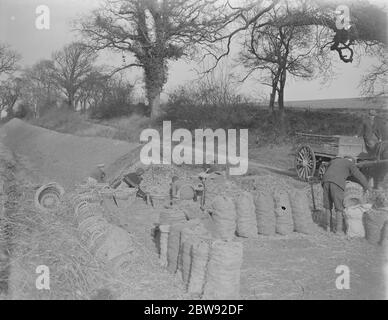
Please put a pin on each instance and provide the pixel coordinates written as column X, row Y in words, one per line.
column 340, row 170
column 369, row 132
column 133, row 180
column 381, row 129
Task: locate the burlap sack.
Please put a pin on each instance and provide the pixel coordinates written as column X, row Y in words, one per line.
column 301, row 212
column 189, row 235
column 354, row 194
column 265, row 214
column 223, row 271
column 171, row 216
column 283, row 212
column 200, row 253
column 246, row 216
column 374, row 221
column 173, row 246
column 224, row 217
column 354, row 221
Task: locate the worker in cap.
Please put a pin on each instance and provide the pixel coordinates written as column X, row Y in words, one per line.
column 369, row 131
column 133, row 180
column 333, row 183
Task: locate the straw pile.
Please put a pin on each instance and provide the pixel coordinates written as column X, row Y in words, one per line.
column 105, row 241
column 283, row 212
column 223, row 271
column 265, row 214
column 224, row 217
column 47, row 238
column 246, row 216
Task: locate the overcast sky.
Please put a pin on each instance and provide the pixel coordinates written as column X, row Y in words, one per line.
column 17, row 28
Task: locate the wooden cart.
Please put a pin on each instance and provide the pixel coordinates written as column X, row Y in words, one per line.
column 313, row 152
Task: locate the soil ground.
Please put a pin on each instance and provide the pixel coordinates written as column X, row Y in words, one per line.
column 279, row 267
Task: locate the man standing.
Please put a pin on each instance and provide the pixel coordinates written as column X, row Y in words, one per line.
column 369, row 132
column 133, row 180
column 334, row 180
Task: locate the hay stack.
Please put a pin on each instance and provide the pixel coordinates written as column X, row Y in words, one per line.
column 246, row 216
column 224, row 217
column 301, row 212
column 223, row 271
column 265, row 214
column 283, row 212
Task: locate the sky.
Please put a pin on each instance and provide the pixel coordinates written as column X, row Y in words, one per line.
column 17, row 28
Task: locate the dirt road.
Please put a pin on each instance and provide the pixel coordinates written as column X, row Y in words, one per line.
column 64, row 158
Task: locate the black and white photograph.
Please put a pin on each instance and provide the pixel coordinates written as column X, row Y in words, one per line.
column 193, row 156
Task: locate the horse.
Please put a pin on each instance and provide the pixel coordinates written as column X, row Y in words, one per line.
column 380, row 170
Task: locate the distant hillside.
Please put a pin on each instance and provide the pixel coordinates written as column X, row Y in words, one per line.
column 353, row 103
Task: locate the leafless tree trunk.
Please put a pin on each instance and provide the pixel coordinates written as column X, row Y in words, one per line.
column 8, row 59
column 71, row 68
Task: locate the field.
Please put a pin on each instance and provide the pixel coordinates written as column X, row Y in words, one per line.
column 350, row 103
column 274, row 267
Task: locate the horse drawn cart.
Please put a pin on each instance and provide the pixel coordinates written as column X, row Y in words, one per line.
column 313, row 153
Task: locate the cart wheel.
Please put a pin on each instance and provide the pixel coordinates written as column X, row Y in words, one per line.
column 305, row 162
column 322, row 169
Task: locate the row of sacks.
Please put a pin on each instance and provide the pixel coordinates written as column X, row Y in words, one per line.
column 210, row 268
column 365, row 221
column 109, row 244
column 366, row 218
column 262, row 213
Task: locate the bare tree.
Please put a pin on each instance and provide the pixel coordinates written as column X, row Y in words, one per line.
column 39, row 88
column 154, row 33
column 276, row 52
column 374, row 83
column 10, row 92
column 368, row 23
column 93, row 89
column 8, row 59
column 70, row 69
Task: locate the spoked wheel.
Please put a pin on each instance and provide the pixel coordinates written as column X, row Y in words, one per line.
column 305, row 162
column 322, row 169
